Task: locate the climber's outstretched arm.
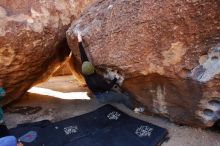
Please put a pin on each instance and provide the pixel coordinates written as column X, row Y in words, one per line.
column 81, row 49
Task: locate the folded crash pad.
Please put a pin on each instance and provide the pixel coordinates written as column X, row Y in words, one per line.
column 106, row 126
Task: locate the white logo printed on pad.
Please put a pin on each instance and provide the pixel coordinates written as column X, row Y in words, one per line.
column 70, row 130
column 143, row 131
column 113, row 116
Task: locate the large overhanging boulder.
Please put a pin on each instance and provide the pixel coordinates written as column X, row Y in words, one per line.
column 167, row 51
column 32, row 41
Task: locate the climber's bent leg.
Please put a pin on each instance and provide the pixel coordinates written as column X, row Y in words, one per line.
column 114, row 97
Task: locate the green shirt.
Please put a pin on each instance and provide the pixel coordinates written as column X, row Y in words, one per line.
column 2, row 93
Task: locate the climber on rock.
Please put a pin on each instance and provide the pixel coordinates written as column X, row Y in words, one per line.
column 98, row 84
column 5, row 138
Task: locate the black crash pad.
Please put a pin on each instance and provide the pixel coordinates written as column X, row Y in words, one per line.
column 106, row 126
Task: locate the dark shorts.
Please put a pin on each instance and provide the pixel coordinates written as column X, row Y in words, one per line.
column 114, row 97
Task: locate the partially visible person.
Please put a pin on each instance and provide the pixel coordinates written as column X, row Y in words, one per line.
column 2, row 91
column 5, row 138
column 3, row 128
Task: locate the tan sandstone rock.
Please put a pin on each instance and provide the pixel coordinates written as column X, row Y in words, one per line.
column 32, row 41
column 167, row 52
column 64, row 70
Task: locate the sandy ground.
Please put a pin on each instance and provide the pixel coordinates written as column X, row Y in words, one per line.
column 56, row 109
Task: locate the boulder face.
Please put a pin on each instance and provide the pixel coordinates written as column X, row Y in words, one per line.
column 167, row 51
column 32, row 41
